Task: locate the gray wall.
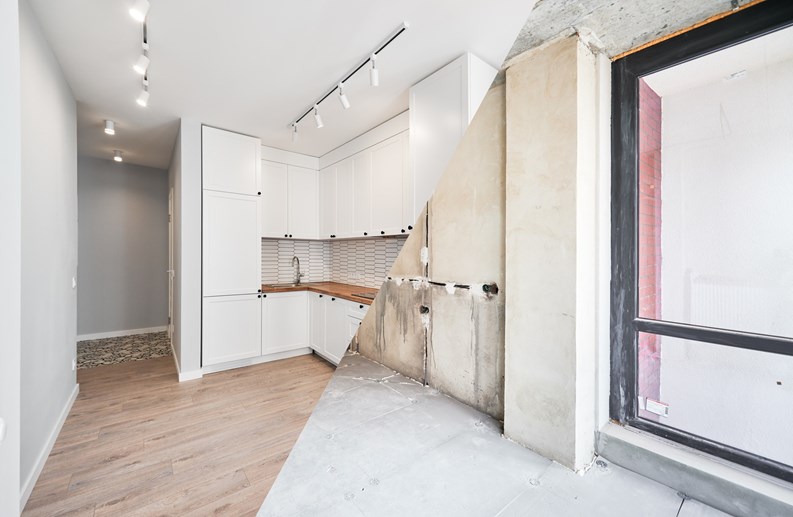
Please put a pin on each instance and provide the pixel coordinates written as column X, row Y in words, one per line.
column 10, row 265
column 123, row 250
column 49, row 244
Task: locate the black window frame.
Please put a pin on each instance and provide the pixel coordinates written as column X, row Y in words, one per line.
column 749, row 23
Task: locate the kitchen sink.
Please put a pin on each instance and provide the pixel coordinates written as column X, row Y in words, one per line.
column 368, row 296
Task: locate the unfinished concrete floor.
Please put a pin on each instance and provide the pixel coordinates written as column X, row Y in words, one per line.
column 380, row 445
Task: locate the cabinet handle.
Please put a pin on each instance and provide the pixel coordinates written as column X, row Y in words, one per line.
column 360, row 306
column 260, row 290
column 320, row 296
column 382, row 232
column 258, row 296
column 285, row 235
column 410, row 227
column 333, row 299
column 365, row 234
column 258, row 193
column 264, row 296
column 403, row 230
column 290, row 235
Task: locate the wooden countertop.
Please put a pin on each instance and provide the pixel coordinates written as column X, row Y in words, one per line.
column 336, row 289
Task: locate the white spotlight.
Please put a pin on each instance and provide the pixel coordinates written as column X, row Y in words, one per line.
column 117, row 156
column 110, row 127
column 294, row 133
column 143, row 98
column 142, row 64
column 374, row 73
column 345, row 102
column 139, row 10
column 317, row 117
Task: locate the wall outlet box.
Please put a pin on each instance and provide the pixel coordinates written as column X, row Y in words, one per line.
column 659, row 408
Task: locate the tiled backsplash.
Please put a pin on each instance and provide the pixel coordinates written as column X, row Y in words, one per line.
column 359, row 261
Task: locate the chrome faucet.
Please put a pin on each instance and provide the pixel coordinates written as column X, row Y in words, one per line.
column 298, row 274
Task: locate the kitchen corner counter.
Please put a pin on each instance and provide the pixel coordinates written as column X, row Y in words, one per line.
column 345, row 291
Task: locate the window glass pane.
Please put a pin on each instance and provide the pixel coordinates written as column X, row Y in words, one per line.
column 742, row 398
column 716, row 189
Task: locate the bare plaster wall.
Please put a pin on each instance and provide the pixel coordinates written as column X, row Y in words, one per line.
column 452, row 339
column 551, row 159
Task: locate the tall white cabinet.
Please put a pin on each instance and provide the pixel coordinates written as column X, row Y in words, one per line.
column 231, row 275
column 441, row 107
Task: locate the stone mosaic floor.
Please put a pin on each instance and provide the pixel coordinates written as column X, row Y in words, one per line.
column 99, row 352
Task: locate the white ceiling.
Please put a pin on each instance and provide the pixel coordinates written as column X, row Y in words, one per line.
column 254, row 66
column 755, row 54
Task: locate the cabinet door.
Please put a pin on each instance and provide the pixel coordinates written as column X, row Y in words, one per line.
column 344, row 198
column 362, row 194
column 284, row 322
column 316, row 306
column 327, row 202
column 230, row 161
column 231, row 328
column 232, row 258
column 303, row 218
column 337, row 338
column 274, row 200
column 353, row 324
column 388, row 164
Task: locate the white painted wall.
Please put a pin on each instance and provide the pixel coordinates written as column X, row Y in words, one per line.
column 49, row 246
column 123, row 246
column 10, row 259
column 184, row 175
column 727, row 256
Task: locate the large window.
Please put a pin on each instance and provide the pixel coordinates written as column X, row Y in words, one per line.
column 702, row 258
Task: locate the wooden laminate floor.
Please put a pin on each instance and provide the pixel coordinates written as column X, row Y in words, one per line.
column 137, row 442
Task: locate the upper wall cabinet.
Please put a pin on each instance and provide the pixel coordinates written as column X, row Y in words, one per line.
column 289, row 201
column 441, row 107
column 364, row 195
column 231, row 162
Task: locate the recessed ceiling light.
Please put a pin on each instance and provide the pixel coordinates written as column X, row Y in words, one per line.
column 117, row 156
column 139, row 10
column 110, row 127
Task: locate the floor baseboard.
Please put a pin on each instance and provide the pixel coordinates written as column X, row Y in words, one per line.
column 120, row 333
column 30, row 482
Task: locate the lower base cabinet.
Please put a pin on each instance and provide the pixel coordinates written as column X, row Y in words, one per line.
column 255, row 326
column 331, row 328
column 231, row 329
column 284, row 322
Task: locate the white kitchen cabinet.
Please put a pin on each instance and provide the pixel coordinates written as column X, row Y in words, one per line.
column 316, row 307
column 230, row 161
column 362, row 194
column 302, row 203
column 289, row 201
column 389, row 166
column 353, row 324
column 344, row 198
column 231, row 328
column 327, row 202
column 284, row 322
column 275, row 188
column 336, row 329
column 232, row 257
column 441, row 107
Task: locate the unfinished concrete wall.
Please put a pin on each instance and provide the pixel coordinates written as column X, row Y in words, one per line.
column 452, row 337
column 550, row 250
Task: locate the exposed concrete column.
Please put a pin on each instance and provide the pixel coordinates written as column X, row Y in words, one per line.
column 551, row 209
